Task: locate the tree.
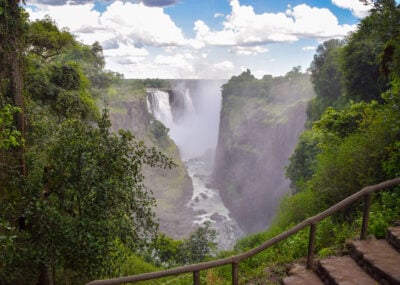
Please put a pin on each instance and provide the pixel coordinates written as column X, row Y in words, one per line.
column 64, row 88
column 78, row 189
column 200, row 245
column 12, row 45
column 327, row 78
column 357, row 161
column 91, row 60
column 303, row 161
column 82, row 193
column 46, row 40
column 361, row 64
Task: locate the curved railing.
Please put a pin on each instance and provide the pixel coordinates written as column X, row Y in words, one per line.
column 236, row 259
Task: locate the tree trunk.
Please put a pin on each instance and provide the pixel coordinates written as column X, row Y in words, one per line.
column 18, row 98
column 12, row 52
column 46, row 276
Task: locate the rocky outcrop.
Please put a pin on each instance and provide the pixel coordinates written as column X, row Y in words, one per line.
column 133, row 116
column 258, row 132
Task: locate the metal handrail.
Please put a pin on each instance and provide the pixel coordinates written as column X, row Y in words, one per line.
column 236, row 259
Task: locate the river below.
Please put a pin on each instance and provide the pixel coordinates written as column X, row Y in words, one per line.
column 208, row 206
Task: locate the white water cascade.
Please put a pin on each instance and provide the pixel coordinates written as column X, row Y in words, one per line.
column 158, row 103
column 193, row 120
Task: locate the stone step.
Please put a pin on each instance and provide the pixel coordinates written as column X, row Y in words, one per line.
column 393, row 237
column 299, row 275
column 378, row 259
column 343, row 270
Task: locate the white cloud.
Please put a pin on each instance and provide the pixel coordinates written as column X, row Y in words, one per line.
column 150, row 3
column 244, row 28
column 141, row 41
column 314, row 22
column 88, row 18
column 179, row 64
column 142, row 24
column 127, row 51
column 225, row 66
column 248, row 50
column 308, row 48
column 128, row 23
column 357, row 8
column 204, row 36
column 125, row 30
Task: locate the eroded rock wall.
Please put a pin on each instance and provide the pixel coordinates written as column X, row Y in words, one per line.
column 258, row 133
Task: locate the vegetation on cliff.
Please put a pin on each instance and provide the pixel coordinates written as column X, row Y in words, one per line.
column 261, row 120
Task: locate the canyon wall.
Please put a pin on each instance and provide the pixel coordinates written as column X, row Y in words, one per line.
column 260, row 123
column 172, row 188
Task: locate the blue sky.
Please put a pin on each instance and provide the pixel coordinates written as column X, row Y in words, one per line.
column 203, row 38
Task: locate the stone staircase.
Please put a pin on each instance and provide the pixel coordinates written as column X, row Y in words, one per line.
column 369, row 261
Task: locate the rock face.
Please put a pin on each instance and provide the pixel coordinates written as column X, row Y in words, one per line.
column 172, row 188
column 260, row 123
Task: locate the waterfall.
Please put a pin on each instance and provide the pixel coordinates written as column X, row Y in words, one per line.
column 158, row 104
column 188, row 103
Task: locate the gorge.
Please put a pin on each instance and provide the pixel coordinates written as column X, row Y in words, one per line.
column 233, row 145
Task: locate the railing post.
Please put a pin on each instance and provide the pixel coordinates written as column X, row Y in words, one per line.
column 311, row 245
column 365, row 220
column 235, row 273
column 196, row 277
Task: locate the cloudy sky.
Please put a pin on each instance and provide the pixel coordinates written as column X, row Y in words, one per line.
column 203, row 38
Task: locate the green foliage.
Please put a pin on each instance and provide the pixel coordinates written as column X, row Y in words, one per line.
column 91, row 61
column 88, row 193
column 200, row 245
column 155, row 83
column 47, row 40
column 304, row 160
column 384, row 212
column 347, row 146
column 64, row 87
column 358, row 159
column 79, row 210
column 325, row 70
column 264, row 100
column 9, row 136
column 361, row 65
column 296, row 208
column 294, row 84
column 167, row 251
column 336, row 125
column 362, row 77
column 160, row 133
column 124, row 262
column 327, row 79
column 7, row 236
column 240, row 85
column 67, row 76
